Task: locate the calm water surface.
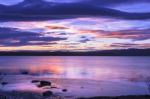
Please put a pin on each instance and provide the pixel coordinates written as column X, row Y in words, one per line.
column 96, row 68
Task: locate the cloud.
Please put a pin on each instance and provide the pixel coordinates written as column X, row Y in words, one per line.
column 133, row 34
column 13, row 33
column 16, row 37
column 99, row 2
column 10, row 2
column 129, row 45
column 115, row 2
column 130, row 34
column 17, row 44
column 41, row 10
column 56, row 27
column 84, row 39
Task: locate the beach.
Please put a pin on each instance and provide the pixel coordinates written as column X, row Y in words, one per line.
column 25, row 77
column 74, row 49
column 24, row 86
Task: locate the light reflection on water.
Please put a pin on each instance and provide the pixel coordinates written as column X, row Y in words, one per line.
column 97, row 68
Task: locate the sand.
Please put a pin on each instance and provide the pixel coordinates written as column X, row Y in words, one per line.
column 21, row 87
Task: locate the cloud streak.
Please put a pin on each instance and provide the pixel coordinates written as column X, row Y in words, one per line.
column 116, row 2
column 129, row 45
column 15, row 37
column 134, row 34
column 73, row 25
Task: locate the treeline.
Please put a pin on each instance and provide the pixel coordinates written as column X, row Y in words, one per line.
column 127, row 52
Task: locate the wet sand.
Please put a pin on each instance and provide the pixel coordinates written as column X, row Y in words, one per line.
column 31, row 95
column 33, row 87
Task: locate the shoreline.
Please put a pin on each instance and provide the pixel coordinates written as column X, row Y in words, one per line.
column 29, row 87
column 119, row 52
column 121, row 97
column 31, row 95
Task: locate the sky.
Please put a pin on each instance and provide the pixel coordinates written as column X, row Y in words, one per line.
column 74, row 25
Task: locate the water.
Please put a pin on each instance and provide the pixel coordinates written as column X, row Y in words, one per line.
column 97, row 68
column 129, row 71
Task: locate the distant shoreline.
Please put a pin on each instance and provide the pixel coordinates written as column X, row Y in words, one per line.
column 25, row 95
column 127, row 52
column 121, row 97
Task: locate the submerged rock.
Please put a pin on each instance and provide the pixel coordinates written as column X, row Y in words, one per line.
column 44, row 83
column 47, row 93
column 24, row 72
column 54, row 87
column 81, row 87
column 35, row 81
column 4, row 83
column 64, row 90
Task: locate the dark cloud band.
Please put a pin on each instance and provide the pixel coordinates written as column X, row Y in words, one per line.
column 15, row 37
column 42, row 10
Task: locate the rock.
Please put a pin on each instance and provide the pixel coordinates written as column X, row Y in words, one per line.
column 54, row 87
column 35, row 81
column 24, row 72
column 115, row 98
column 47, row 93
column 4, row 83
column 44, row 83
column 64, row 90
column 82, row 87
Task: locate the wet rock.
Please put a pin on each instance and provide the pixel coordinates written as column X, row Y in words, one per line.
column 115, row 98
column 47, row 93
column 4, row 83
column 24, row 72
column 44, row 83
column 54, row 87
column 81, row 87
column 35, row 81
column 64, row 90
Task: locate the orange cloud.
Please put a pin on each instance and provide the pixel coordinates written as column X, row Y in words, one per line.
column 56, row 27
column 123, row 34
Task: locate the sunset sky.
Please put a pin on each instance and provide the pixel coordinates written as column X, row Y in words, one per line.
column 74, row 25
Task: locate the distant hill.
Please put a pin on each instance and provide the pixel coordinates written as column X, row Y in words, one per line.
column 126, row 52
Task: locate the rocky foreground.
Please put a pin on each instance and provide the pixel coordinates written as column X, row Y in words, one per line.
column 30, row 95
column 28, row 87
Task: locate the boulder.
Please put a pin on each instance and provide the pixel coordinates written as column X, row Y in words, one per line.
column 47, row 93
column 64, row 90
column 4, row 83
column 35, row 81
column 44, row 83
column 24, row 72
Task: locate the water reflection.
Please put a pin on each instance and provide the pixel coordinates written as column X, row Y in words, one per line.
column 97, row 68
